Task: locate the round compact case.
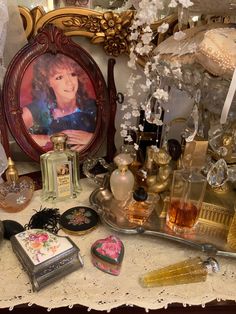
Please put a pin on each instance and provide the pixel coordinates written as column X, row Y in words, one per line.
column 79, row 220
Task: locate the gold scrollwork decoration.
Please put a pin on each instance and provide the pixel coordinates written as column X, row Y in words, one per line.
column 107, row 28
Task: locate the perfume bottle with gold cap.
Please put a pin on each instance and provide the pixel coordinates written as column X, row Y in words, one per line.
column 16, row 192
column 60, row 172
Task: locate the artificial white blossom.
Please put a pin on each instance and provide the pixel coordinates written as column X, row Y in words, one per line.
column 136, row 146
column 127, row 115
column 186, row 3
column 136, row 113
column 144, row 88
column 123, row 107
column 129, row 138
column 123, row 133
column 161, row 94
column 134, row 128
column 173, row 4
column 123, row 126
column 179, row 35
column 146, row 38
column 177, row 72
column 163, row 28
column 141, row 127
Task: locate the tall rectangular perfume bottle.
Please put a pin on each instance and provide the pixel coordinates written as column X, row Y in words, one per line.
column 188, row 190
column 60, row 172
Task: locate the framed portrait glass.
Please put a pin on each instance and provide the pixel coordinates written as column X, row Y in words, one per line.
column 53, row 85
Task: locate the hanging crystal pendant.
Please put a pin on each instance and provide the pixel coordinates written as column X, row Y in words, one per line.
column 153, row 111
column 218, row 174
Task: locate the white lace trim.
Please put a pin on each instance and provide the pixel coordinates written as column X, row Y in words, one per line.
column 97, row 290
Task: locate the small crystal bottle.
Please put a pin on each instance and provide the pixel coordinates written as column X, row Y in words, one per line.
column 188, row 271
column 15, row 193
column 141, row 206
column 122, row 179
column 60, row 172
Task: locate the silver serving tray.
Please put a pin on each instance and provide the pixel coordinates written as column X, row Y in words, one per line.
column 209, row 236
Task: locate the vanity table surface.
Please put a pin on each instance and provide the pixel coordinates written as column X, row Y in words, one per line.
column 96, row 290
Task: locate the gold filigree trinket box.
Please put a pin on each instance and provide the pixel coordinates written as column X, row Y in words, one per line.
column 45, row 257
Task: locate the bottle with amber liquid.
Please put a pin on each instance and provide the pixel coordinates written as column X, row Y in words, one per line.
column 60, row 172
column 187, row 192
column 188, row 271
column 141, row 206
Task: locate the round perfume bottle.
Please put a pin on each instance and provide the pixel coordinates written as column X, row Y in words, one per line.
column 122, row 179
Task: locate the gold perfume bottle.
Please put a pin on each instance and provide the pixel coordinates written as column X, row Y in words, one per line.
column 187, row 271
column 60, row 172
column 15, row 193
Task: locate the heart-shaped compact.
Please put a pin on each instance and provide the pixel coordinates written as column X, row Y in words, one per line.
column 107, row 254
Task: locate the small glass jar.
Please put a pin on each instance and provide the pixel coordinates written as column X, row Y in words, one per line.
column 187, row 192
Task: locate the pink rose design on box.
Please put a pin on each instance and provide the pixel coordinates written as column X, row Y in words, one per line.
column 108, row 254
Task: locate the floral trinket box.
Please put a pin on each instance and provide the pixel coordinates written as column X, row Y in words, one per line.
column 46, row 257
column 107, row 255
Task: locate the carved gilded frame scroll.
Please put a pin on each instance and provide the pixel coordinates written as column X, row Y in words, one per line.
column 106, row 28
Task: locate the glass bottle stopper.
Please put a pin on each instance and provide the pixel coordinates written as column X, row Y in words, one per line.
column 59, row 141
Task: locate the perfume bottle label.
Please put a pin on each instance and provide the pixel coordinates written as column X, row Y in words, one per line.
column 63, row 179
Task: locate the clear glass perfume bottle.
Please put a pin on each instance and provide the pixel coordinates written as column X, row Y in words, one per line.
column 15, row 193
column 188, row 271
column 188, row 189
column 187, row 192
column 60, row 172
column 122, row 179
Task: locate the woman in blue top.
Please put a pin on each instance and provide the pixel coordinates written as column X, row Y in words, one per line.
column 60, row 102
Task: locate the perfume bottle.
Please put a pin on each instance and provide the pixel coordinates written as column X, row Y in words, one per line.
column 141, row 206
column 60, row 172
column 122, row 179
column 15, row 193
column 188, row 271
column 187, row 192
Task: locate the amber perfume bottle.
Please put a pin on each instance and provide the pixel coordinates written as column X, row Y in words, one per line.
column 188, row 271
column 187, row 192
column 16, row 192
column 141, row 206
column 60, row 172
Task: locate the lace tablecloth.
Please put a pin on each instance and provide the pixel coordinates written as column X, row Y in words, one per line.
column 94, row 289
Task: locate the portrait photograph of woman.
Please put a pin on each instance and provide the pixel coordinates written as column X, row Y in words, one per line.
column 57, row 95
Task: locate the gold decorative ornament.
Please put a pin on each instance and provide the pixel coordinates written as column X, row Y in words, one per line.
column 108, row 28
